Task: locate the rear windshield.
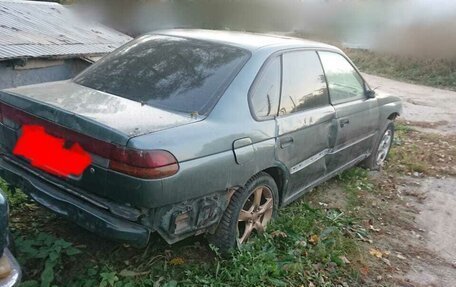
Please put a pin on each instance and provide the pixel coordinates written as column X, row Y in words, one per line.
column 173, row 73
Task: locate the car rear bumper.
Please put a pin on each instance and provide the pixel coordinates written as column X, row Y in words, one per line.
column 82, row 212
column 14, row 276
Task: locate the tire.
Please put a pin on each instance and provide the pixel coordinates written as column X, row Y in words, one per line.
column 375, row 161
column 227, row 235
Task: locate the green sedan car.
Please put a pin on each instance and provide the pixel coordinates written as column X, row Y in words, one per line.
column 185, row 132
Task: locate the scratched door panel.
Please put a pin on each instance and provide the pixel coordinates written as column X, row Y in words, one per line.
column 311, row 140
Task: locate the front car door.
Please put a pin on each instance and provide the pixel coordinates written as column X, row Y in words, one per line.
column 304, row 122
column 357, row 115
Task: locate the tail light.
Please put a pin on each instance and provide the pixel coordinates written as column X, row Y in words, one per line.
column 148, row 164
column 144, row 164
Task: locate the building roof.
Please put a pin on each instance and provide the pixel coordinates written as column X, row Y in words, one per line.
column 31, row 29
column 249, row 41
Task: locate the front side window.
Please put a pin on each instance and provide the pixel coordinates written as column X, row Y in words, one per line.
column 344, row 82
column 172, row 73
column 265, row 93
column 304, row 85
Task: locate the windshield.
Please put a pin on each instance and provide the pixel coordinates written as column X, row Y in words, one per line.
column 173, row 73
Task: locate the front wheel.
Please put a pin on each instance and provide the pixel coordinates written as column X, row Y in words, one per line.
column 381, row 150
column 249, row 211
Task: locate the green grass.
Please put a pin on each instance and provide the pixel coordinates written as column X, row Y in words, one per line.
column 439, row 73
column 354, row 181
column 282, row 257
column 303, row 245
column 15, row 197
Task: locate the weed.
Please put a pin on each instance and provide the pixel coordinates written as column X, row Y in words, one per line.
column 402, row 128
column 431, row 72
column 45, row 251
column 415, row 152
column 303, row 245
column 108, row 279
column 15, row 197
column 354, row 181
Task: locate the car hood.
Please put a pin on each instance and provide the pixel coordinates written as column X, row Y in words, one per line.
column 93, row 112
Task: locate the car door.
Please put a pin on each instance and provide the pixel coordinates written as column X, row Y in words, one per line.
column 357, row 114
column 304, row 122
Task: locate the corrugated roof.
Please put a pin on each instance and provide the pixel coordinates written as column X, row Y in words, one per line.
column 44, row 29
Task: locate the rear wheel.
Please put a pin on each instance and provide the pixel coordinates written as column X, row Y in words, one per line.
column 381, row 150
column 249, row 212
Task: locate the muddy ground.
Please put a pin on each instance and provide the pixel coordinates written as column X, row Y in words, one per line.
column 421, row 232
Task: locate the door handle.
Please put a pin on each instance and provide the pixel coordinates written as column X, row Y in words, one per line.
column 287, row 141
column 344, row 122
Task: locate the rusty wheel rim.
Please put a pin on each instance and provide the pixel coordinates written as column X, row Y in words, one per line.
column 256, row 213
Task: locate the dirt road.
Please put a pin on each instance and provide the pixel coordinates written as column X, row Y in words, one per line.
column 431, row 110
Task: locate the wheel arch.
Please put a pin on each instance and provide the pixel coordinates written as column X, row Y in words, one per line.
column 280, row 177
column 393, row 116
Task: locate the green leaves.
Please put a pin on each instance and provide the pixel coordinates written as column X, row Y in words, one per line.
column 48, row 273
column 108, row 279
column 15, row 197
column 49, row 250
column 284, row 256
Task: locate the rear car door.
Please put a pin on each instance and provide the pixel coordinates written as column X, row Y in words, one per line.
column 357, row 115
column 304, row 121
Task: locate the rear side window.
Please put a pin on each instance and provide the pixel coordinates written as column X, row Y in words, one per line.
column 174, row 73
column 265, row 95
column 344, row 82
column 304, row 85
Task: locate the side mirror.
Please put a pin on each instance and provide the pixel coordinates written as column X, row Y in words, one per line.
column 370, row 94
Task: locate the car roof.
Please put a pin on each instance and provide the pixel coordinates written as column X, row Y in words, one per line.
column 246, row 40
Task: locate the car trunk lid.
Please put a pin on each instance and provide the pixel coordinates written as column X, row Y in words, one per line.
column 97, row 114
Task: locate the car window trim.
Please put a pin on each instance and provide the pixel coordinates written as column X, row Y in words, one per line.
column 324, row 75
column 255, row 84
column 364, row 84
